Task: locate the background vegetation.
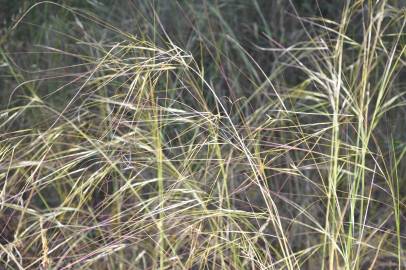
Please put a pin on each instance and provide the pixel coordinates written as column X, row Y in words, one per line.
column 207, row 134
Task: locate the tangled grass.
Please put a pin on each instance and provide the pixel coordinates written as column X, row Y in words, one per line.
column 123, row 150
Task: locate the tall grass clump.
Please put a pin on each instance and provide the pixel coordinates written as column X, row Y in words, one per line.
column 203, row 135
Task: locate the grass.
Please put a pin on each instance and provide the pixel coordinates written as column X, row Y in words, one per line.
column 177, row 135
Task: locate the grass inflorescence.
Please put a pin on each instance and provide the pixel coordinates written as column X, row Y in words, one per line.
column 203, row 135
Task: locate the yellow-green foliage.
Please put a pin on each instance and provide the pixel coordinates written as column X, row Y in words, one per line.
column 203, row 135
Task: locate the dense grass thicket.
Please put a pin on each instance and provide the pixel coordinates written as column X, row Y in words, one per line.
column 209, row 134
